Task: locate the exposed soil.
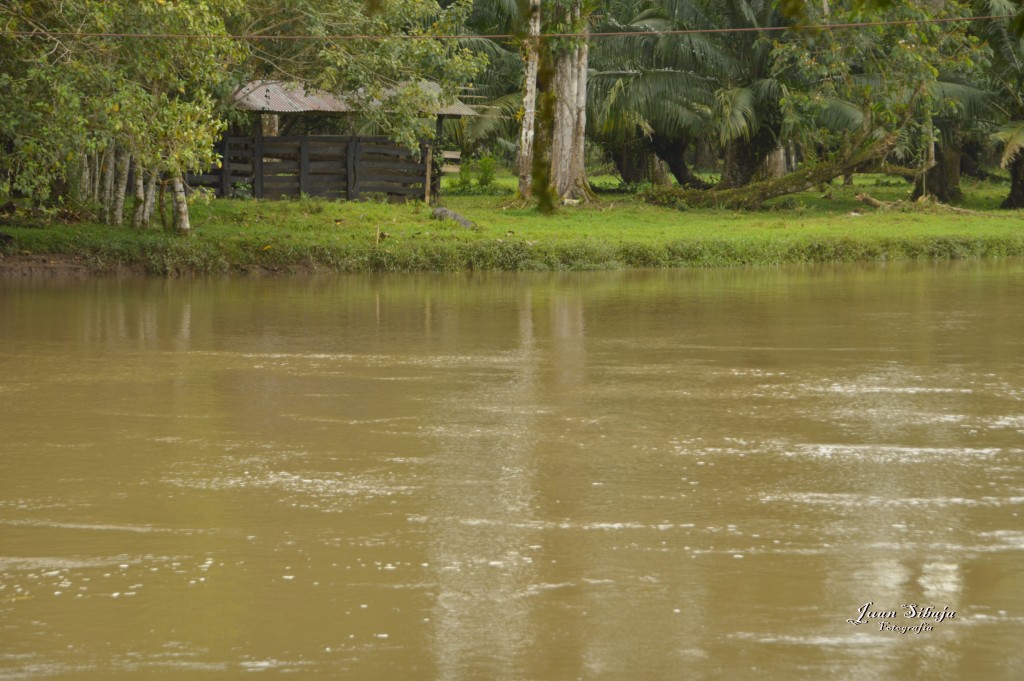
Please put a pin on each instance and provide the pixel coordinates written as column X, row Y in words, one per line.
column 44, row 267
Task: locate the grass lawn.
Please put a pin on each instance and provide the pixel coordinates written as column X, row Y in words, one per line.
column 618, row 231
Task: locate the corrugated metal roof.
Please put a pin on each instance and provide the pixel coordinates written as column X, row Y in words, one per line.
column 272, row 96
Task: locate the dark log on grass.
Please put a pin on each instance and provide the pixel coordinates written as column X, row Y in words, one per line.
column 446, row 214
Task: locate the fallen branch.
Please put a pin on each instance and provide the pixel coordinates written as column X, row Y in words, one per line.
column 873, row 202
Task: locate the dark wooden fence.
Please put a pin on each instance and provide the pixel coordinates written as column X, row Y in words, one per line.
column 335, row 167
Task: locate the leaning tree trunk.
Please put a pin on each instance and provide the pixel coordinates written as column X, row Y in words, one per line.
column 633, row 160
column 180, row 204
column 672, row 150
column 526, row 135
column 942, row 180
column 1016, row 197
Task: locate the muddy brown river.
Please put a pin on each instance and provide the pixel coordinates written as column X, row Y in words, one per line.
column 773, row 474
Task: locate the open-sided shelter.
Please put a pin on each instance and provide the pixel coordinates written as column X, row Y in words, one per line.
column 333, row 166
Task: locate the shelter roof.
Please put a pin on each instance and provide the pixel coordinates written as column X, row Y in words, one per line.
column 274, row 96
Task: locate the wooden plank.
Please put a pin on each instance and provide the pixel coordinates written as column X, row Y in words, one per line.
column 225, row 175
column 277, row 144
column 274, row 167
column 450, row 169
column 325, row 167
column 304, row 167
column 451, row 155
column 257, row 161
column 278, row 184
column 426, row 183
column 318, row 148
column 388, row 177
column 205, row 179
column 352, row 189
column 401, row 191
column 392, row 165
column 382, row 150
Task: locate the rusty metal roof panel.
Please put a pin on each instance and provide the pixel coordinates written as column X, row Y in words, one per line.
column 271, row 96
column 276, row 97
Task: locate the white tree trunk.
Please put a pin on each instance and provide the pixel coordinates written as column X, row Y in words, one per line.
column 526, row 134
column 147, row 217
column 124, row 160
column 568, row 175
column 139, row 213
column 109, row 161
column 180, row 204
column 97, row 176
column 567, row 151
column 84, row 181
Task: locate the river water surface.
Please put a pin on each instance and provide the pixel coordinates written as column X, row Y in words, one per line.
column 629, row 475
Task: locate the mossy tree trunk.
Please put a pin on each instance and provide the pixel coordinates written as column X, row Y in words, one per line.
column 942, row 180
column 1016, row 197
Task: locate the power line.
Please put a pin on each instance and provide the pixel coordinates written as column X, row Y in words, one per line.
column 504, row 36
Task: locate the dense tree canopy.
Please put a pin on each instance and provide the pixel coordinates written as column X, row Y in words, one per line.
column 100, row 92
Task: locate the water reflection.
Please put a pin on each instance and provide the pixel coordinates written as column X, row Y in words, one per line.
column 603, row 476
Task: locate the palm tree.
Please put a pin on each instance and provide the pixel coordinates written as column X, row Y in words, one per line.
column 1006, row 80
column 676, row 88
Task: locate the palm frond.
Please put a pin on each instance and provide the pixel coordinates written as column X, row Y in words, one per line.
column 1012, row 137
column 737, row 113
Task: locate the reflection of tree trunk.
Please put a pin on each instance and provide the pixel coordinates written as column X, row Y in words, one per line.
column 942, row 180
column 672, row 150
column 529, row 102
column 1016, row 197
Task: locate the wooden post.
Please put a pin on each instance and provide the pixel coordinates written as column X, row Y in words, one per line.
column 304, row 166
column 430, row 166
column 257, row 159
column 225, row 169
column 353, row 153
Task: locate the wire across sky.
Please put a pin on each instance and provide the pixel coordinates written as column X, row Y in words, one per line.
column 503, row 36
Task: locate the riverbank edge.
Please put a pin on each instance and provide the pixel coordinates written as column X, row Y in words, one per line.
column 177, row 257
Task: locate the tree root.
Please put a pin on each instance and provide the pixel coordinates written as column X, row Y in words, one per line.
column 923, row 202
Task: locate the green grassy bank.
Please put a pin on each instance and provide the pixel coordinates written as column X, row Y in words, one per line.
column 620, row 231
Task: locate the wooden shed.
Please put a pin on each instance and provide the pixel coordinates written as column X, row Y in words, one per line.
column 333, row 166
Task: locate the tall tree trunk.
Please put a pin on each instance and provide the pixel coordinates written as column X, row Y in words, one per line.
column 97, row 176
column 139, row 212
column 180, row 204
column 774, row 164
column 84, row 182
column 1016, row 197
column 568, row 174
column 942, row 180
column 526, row 135
column 124, row 161
column 109, row 176
column 154, row 178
